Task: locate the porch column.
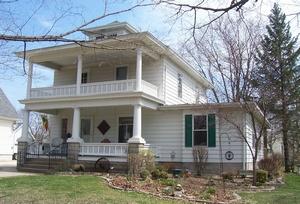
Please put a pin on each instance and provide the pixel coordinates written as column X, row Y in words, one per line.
column 137, row 126
column 24, row 137
column 76, row 127
column 138, row 69
column 29, row 79
column 79, row 73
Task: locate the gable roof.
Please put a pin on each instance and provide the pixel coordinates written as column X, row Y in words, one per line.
column 7, row 110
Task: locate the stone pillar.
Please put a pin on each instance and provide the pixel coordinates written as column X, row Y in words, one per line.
column 138, row 69
column 22, row 149
column 79, row 73
column 73, row 152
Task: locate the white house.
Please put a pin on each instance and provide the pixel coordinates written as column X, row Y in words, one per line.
column 8, row 127
column 125, row 87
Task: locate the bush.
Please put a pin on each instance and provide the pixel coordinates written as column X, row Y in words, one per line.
column 168, row 182
column 144, row 160
column 200, row 155
column 211, row 190
column 227, row 176
column 159, row 173
column 272, row 164
column 144, row 174
column 261, row 176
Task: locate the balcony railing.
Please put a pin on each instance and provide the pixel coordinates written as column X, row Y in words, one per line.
column 97, row 88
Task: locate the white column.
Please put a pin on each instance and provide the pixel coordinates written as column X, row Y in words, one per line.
column 76, row 127
column 79, row 73
column 29, row 79
column 24, row 137
column 137, row 126
column 139, row 69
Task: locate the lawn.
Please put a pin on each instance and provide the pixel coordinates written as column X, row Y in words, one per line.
column 286, row 194
column 67, row 189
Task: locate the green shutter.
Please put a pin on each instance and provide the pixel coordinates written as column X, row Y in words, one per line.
column 188, row 131
column 211, row 130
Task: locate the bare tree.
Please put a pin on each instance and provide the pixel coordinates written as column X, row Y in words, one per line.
column 37, row 129
column 253, row 133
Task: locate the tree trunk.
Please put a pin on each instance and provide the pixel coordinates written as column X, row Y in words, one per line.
column 254, row 172
column 285, row 145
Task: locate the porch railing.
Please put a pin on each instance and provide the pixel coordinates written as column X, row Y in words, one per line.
column 104, row 149
column 107, row 87
column 98, row 88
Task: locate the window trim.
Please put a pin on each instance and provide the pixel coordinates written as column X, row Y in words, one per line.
column 206, row 129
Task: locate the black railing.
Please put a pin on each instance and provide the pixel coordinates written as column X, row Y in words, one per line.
column 34, row 150
column 58, row 152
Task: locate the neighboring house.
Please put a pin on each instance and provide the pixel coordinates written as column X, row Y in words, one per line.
column 8, row 127
column 126, row 87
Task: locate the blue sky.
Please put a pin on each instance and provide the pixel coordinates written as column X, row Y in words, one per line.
column 156, row 20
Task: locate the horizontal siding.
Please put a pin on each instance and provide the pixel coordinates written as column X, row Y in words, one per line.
column 189, row 85
column 226, row 135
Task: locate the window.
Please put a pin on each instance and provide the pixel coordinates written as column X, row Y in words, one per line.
column 86, row 129
column 200, row 130
column 179, row 85
column 121, row 73
column 125, row 129
column 84, row 78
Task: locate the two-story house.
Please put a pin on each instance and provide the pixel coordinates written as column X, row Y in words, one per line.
column 123, row 87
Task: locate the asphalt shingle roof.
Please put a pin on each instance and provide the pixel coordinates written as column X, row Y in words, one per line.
column 6, row 108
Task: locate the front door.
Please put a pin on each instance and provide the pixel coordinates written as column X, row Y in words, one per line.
column 125, row 129
column 86, row 129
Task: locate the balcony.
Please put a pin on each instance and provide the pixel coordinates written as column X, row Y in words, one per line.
column 90, row 89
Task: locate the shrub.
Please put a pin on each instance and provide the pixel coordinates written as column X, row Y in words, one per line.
column 227, row 176
column 211, row 190
column 272, row 164
column 168, row 182
column 261, row 176
column 200, row 155
column 140, row 162
column 159, row 173
column 144, row 174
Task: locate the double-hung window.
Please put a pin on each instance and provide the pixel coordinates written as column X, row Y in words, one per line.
column 200, row 130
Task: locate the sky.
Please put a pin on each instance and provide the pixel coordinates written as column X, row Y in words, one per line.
column 33, row 17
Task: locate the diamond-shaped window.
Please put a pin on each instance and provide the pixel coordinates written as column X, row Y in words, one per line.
column 103, row 127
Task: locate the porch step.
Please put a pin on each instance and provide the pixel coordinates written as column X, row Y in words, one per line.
column 33, row 170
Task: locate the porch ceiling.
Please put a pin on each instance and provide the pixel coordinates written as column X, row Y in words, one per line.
column 93, row 57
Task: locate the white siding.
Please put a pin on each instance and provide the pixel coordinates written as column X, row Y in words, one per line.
column 6, row 138
column 226, row 132
column 189, row 86
column 249, row 130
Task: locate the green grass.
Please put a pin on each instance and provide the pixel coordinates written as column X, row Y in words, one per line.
column 67, row 189
column 286, row 194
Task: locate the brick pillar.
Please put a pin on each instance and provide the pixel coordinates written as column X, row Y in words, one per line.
column 22, row 150
column 134, row 165
column 73, row 152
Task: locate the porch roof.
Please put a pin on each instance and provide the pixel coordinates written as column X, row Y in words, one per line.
column 152, row 47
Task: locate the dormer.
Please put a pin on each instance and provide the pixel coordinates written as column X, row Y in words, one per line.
column 110, row 30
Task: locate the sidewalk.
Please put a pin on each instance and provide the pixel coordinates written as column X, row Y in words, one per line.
column 8, row 169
